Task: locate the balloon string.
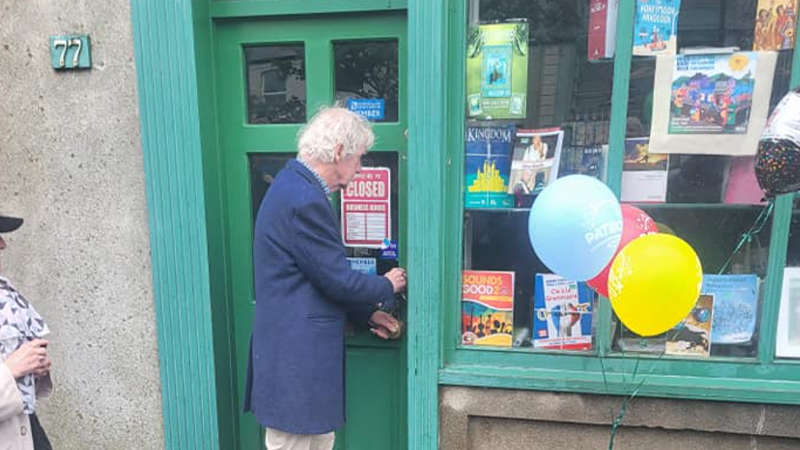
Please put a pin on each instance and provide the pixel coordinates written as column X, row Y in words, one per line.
column 748, row 235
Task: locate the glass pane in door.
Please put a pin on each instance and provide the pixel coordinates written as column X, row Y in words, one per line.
column 366, row 77
column 276, row 84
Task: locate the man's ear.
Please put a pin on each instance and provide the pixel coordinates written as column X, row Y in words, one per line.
column 337, row 152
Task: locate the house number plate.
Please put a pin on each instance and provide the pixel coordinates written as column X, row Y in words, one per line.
column 70, row 52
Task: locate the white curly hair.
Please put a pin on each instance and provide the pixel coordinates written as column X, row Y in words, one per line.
column 330, row 127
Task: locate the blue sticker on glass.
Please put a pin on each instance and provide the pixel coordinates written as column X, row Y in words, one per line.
column 388, row 249
column 369, row 108
column 364, row 265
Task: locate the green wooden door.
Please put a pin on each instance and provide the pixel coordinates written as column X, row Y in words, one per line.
column 271, row 75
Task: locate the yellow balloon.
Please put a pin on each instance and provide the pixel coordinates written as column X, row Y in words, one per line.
column 654, row 283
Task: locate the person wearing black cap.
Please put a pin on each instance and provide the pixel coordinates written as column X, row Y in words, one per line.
column 24, row 362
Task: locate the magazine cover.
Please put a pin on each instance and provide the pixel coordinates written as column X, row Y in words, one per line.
column 712, row 94
column 497, row 71
column 655, row 27
column 535, row 162
column 562, row 313
column 487, row 166
column 589, row 161
column 644, row 174
column 602, row 29
column 487, row 305
column 693, row 335
column 776, row 21
column 735, row 306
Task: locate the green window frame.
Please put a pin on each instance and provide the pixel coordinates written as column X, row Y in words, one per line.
column 760, row 379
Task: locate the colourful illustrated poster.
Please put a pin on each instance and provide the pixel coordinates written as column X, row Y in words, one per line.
column 735, row 306
column 693, row 335
column 497, row 71
column 487, row 308
column 590, row 160
column 535, row 163
column 644, row 174
column 487, row 165
column 602, row 29
column 562, row 313
column 655, row 27
column 776, row 22
column 712, row 94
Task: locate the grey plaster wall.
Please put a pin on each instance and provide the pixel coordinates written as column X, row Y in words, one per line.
column 478, row 419
column 71, row 164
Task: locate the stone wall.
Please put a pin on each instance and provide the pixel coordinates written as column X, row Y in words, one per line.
column 71, row 165
column 487, row 419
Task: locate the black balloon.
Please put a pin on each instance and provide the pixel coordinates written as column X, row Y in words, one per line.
column 778, row 156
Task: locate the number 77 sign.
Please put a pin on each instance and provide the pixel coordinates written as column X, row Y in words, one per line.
column 366, row 208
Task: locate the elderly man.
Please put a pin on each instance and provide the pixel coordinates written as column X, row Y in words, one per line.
column 305, row 289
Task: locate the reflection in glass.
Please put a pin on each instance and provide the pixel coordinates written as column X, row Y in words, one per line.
column 368, row 70
column 793, row 250
column 276, row 84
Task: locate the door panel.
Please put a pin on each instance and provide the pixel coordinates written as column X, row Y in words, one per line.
column 270, row 76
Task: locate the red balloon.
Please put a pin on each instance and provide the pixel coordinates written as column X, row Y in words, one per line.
column 635, row 223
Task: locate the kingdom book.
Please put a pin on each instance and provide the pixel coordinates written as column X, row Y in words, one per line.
column 655, row 27
column 487, row 166
column 562, row 313
column 487, row 307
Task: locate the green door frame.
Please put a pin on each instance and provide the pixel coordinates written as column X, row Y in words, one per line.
column 174, row 57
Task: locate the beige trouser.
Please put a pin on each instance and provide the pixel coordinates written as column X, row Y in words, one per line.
column 281, row 440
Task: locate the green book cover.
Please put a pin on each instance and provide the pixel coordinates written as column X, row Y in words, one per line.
column 497, row 71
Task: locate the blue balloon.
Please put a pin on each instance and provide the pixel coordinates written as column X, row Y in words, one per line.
column 575, row 226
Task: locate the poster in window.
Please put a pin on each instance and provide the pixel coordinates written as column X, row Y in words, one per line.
column 788, row 337
column 655, row 27
column 693, row 336
column 497, row 71
column 562, row 313
column 644, row 174
column 487, row 307
column 486, row 167
column 775, row 25
column 712, row 94
column 735, row 306
column 686, row 121
column 535, row 162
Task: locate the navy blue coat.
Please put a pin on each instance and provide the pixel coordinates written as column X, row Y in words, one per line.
column 305, row 290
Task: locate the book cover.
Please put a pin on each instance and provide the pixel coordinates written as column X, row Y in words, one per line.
column 562, row 313
column 487, row 307
column 735, row 306
column 742, row 185
column 497, row 71
column 535, row 162
column 589, row 160
column 644, row 174
column 487, row 166
column 655, row 27
column 602, row 31
column 693, row 337
column 775, row 24
column 712, row 94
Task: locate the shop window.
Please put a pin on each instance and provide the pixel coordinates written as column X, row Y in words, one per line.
column 276, row 84
column 537, row 107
